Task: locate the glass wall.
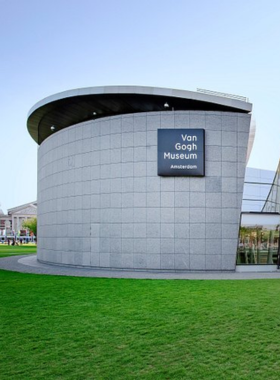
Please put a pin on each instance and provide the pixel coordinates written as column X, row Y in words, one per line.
column 258, row 239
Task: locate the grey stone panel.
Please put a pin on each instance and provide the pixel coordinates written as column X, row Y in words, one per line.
column 140, row 169
column 241, row 171
column 167, row 245
column 197, row 262
column 140, row 154
column 213, row 200
column 151, row 169
column 153, row 246
column 151, row 146
column 182, row 120
column 167, row 230
column 213, row 231
column 230, row 123
column 104, row 260
column 213, row 247
column 101, row 202
column 167, row 184
column 153, row 122
column 116, row 260
column 140, row 245
column 167, row 199
column 140, row 123
column 140, row 215
column 213, row 138
column 214, row 121
column 66, row 257
column 230, row 230
column 230, row 215
column 140, row 200
column 213, row 185
column 127, row 230
column 243, row 123
column 153, row 215
column 167, row 261
column 127, row 260
column 167, row 120
column 213, row 169
column 153, row 230
column 105, row 244
column 197, row 246
column 228, row 262
column 127, row 185
column 213, row 262
column 140, row 261
column 240, row 186
column 182, row 262
column 242, row 139
column 116, row 200
column 182, row 215
column 197, row 119
column 197, row 199
column 182, row 246
column 197, row 185
column 197, row 215
column 167, row 215
column 140, row 139
column 182, row 231
column 153, row 185
column 116, row 245
column 127, row 246
column 140, row 230
column 213, row 215
column 229, row 154
column 182, row 199
column 229, row 246
column 229, row 185
column 127, row 124
column 229, row 138
column 153, row 200
column 182, row 184
column 229, row 169
column 127, row 155
column 229, row 200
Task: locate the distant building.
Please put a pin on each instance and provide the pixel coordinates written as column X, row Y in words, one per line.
column 11, row 223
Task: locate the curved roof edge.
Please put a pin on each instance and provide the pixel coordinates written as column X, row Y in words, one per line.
column 143, row 99
column 160, row 91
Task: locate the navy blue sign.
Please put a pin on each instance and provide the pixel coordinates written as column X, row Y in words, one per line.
column 181, row 152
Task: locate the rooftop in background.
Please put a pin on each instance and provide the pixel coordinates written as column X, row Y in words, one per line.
column 67, row 108
column 223, row 94
column 25, row 208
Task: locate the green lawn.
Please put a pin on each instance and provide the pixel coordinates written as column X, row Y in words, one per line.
column 10, row 250
column 89, row 328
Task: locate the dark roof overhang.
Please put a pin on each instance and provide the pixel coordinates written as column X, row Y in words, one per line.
column 72, row 107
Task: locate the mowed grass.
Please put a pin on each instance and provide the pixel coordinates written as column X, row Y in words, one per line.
column 90, row 328
column 12, row 250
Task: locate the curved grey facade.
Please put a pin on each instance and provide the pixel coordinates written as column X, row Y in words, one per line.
column 102, row 204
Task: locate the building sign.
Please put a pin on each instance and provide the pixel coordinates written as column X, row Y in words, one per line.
column 181, row 152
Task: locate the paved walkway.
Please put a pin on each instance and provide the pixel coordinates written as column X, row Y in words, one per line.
column 29, row 264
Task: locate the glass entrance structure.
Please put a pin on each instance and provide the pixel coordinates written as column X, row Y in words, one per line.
column 259, row 239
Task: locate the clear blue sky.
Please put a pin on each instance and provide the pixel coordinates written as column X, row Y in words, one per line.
column 52, row 46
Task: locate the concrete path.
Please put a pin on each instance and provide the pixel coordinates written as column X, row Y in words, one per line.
column 29, row 264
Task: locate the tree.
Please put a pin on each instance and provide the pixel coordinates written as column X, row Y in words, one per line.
column 31, row 224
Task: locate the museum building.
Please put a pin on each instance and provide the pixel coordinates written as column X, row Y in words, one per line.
column 134, row 177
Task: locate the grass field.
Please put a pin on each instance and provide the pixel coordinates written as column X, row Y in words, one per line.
column 10, row 250
column 90, row 328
